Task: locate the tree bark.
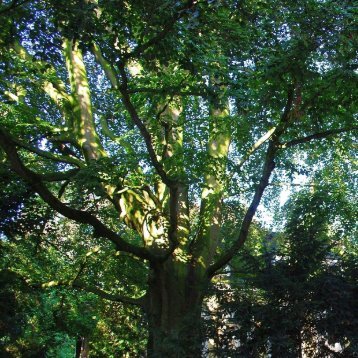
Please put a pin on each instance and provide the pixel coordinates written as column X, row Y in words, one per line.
column 78, row 347
column 173, row 308
column 82, row 347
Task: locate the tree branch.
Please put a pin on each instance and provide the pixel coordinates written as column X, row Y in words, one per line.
column 268, row 167
column 58, row 176
column 264, row 181
column 109, row 296
column 55, row 88
column 143, row 130
column 319, row 135
column 123, row 88
column 84, row 124
column 77, row 284
column 79, row 216
column 256, row 146
column 106, row 66
column 47, row 155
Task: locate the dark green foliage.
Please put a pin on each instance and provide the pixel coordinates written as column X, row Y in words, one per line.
column 299, row 296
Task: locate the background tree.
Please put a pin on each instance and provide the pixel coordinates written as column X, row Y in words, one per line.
column 295, row 297
column 139, row 121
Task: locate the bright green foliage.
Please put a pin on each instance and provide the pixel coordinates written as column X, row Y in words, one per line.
column 138, row 139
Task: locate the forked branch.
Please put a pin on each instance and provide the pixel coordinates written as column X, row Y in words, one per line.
column 44, row 154
column 268, row 167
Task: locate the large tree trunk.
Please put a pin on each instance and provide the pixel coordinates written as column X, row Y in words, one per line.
column 173, row 308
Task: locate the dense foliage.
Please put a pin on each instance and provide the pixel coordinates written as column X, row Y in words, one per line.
column 297, row 294
column 139, row 139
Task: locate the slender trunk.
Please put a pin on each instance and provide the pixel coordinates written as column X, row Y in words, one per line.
column 173, row 308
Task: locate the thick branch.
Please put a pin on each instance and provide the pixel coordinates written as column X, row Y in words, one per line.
column 55, row 88
column 319, row 135
column 244, row 231
column 268, row 167
column 109, row 296
column 84, row 122
column 174, row 211
column 106, row 66
column 79, row 216
column 203, row 248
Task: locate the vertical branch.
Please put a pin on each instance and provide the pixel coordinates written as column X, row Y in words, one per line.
column 212, row 193
column 106, row 66
column 174, row 165
column 165, row 165
column 84, row 125
column 147, row 221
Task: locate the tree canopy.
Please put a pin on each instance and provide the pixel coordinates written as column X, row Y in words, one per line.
column 147, row 135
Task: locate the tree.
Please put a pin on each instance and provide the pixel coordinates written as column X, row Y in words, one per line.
column 294, row 296
column 140, row 121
